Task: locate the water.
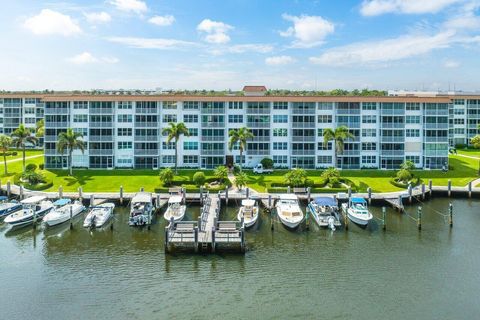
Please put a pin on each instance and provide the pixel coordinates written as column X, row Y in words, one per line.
column 360, row 274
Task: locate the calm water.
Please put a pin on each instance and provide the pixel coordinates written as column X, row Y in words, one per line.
column 360, row 274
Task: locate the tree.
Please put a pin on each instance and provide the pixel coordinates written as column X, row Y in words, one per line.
column 40, row 128
column 70, row 141
column 5, row 144
column 331, row 176
column 174, row 132
column 408, row 165
column 199, row 178
column 267, row 163
column 475, row 141
column 220, row 173
column 404, row 175
column 338, row 136
column 240, row 136
column 20, row 137
column 296, row 177
column 241, row 180
column 166, row 176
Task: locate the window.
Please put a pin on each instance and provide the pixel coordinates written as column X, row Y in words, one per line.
column 168, row 146
column 412, row 119
column 169, row 105
column 280, row 146
column 325, row 106
column 29, row 110
column 190, row 145
column 82, row 131
column 193, row 132
column 325, row 160
column 80, row 105
column 190, row 118
column 280, row 106
column 235, row 118
column 277, row 132
column 123, row 118
column 369, row 146
column 124, row 105
column 459, row 121
column 29, row 120
column 235, row 105
column 280, row 118
column 459, row 112
column 80, row 118
column 124, row 161
column 459, row 130
column 369, row 119
column 369, row 106
column 124, row 132
column 124, row 145
column 190, row 105
column 324, row 119
column 190, row 160
column 414, row 159
column 280, row 160
column 168, row 159
column 322, row 147
column 369, row 159
column 167, row 118
column 413, row 106
column 369, row 132
column 412, row 133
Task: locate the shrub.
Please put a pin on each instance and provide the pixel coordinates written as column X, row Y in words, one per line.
column 267, row 163
column 241, row 180
column 236, row 169
column 460, row 146
column 296, row 177
column 41, row 166
column 403, row 175
column 166, row 176
column 32, row 177
column 309, row 183
column 220, row 173
column 31, row 167
column 331, row 176
column 199, row 178
column 14, row 153
column 334, row 182
column 408, row 165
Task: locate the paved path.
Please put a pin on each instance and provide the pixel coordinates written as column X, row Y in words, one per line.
column 465, row 156
column 21, row 159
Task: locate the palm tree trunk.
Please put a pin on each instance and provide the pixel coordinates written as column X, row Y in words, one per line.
column 176, row 153
column 241, row 158
column 24, row 158
column 5, row 162
column 70, row 161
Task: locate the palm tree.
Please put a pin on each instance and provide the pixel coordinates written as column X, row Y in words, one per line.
column 174, row 131
column 70, row 140
column 5, row 143
column 40, row 128
column 20, row 136
column 240, row 136
column 338, row 136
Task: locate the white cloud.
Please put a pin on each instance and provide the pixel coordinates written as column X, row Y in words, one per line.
column 394, row 49
column 258, row 48
column 98, row 17
column 279, row 60
column 308, row 31
column 162, row 21
column 135, row 6
column 216, row 31
column 451, row 64
column 49, row 22
column 152, row 43
column 379, row 7
column 88, row 58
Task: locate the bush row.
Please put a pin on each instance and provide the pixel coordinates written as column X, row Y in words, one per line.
column 34, row 187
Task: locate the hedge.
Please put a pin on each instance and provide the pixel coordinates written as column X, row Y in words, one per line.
column 37, row 187
column 414, row 182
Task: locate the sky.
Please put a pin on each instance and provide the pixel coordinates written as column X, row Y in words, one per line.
column 226, row 44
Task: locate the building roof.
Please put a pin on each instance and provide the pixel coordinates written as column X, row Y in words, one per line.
column 254, row 89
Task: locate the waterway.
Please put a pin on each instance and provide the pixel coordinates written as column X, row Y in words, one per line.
column 317, row 274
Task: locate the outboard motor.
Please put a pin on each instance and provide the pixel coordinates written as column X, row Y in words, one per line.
column 92, row 222
column 331, row 223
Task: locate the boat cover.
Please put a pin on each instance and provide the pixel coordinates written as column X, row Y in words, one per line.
column 288, row 196
column 33, row 200
column 175, row 199
column 358, row 200
column 143, row 197
column 62, row 202
column 248, row 203
column 3, row 198
column 326, row 201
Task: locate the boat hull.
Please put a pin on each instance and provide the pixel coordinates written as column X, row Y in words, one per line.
column 358, row 220
column 10, row 209
column 248, row 222
column 168, row 215
column 61, row 218
column 26, row 219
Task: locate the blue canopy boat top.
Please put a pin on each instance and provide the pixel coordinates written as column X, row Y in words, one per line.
column 358, row 200
column 3, row 198
column 326, row 201
column 61, row 202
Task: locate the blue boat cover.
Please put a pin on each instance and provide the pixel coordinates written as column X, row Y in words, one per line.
column 3, row 198
column 358, row 200
column 326, row 201
column 61, row 202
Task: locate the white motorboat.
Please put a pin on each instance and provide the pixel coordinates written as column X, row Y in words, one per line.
column 7, row 207
column 99, row 215
column 63, row 210
column 324, row 211
column 289, row 211
column 249, row 212
column 357, row 211
column 34, row 207
column 176, row 209
column 141, row 211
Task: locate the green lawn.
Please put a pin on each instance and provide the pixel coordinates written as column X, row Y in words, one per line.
column 28, row 153
column 463, row 170
column 469, row 152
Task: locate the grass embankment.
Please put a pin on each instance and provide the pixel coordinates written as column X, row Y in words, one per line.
column 463, row 170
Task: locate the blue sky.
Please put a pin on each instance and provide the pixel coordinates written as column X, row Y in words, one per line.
column 195, row 44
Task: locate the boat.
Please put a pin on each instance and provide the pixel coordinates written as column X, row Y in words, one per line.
column 249, row 212
column 36, row 206
column 324, row 211
column 357, row 211
column 176, row 209
column 288, row 210
column 62, row 210
column 99, row 215
column 141, row 210
column 7, row 207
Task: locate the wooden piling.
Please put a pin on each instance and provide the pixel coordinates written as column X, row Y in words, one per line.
column 288, row 189
column 121, row 195
column 34, row 218
column 369, row 190
column 80, row 193
column 409, row 193
column 384, row 214
column 21, row 192
column 349, row 192
column 307, row 222
column 226, row 195
column 157, row 201
column 423, row 191
column 60, row 192
column 308, row 194
column 71, row 218
column 400, row 203
column 9, row 188
column 450, row 215
column 430, row 187
column 201, row 195
column 470, row 189
column 247, row 192
column 92, row 200
column 449, row 186
column 269, row 202
column 166, row 238
column 419, row 218
column 213, row 238
column 242, row 239
column 195, row 237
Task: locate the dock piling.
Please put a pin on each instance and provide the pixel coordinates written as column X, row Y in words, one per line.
column 121, row 195
column 157, row 201
column 450, row 215
column 269, row 202
column 449, row 186
column 400, row 203
column 423, row 191
column 430, row 187
column 242, row 239
column 195, row 235
column 419, row 218
column 34, row 219
column 201, row 195
column 308, row 194
column 60, row 192
column 71, row 217
column 80, row 193
column 9, row 188
column 226, row 195
column 307, row 222
column 349, row 192
column 21, row 192
column 288, row 189
column 92, row 200
column 410, row 193
column 166, row 238
column 470, row 189
column 384, row 215
column 213, row 238
column 369, row 190
column 247, row 192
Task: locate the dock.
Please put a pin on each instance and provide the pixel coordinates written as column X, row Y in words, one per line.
column 208, row 234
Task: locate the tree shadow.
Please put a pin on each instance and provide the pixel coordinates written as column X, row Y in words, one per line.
column 81, row 180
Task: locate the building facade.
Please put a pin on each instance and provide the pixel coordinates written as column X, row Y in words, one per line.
column 125, row 131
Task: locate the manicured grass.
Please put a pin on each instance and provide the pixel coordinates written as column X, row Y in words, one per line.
column 28, row 153
column 469, row 152
column 463, row 170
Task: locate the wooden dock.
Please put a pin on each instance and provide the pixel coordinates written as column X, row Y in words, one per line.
column 207, row 234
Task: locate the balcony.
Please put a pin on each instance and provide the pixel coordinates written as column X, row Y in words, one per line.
column 62, row 124
column 393, row 139
column 107, row 124
column 350, row 125
column 55, row 111
column 392, row 153
column 258, row 152
column 213, row 110
column 213, row 138
column 146, row 152
column 145, row 124
column 101, row 152
column 258, row 110
column 146, row 138
column 258, row 124
column 303, row 125
column 390, row 125
column 443, row 125
column 50, row 138
column 436, row 153
column 348, row 112
column 260, row 139
column 303, row 139
column 436, row 112
column 303, row 152
column 101, row 110
column 51, row 152
column 213, row 124
column 346, row 153
column 436, row 139
column 392, row 112
column 215, row 152
column 146, row 110
column 100, row 138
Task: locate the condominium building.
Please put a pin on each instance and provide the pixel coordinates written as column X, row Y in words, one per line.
column 125, row 130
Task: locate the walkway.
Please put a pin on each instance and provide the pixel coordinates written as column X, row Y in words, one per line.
column 465, row 156
column 21, row 159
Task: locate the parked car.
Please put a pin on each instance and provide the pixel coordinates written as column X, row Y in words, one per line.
column 259, row 169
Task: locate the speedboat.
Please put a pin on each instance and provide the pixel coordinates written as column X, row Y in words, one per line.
column 249, row 212
column 34, row 207
column 141, row 210
column 99, row 215
column 324, row 211
column 7, row 208
column 63, row 210
column 176, row 209
column 288, row 210
column 357, row 211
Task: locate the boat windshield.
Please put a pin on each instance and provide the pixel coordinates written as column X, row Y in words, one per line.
column 360, row 208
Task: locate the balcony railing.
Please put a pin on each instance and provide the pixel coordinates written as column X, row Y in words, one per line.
column 348, row 111
column 260, row 139
column 391, row 153
column 94, row 138
column 303, row 125
column 351, row 153
column 351, row 125
column 145, row 124
column 213, row 124
column 146, row 152
column 436, row 125
column 101, row 110
column 395, row 112
column 302, row 111
column 436, row 139
column 146, row 138
column 258, row 110
column 436, row 112
column 56, row 111
column 388, row 125
column 50, row 138
column 393, row 139
column 146, row 111
column 213, row 138
column 303, row 139
column 213, row 110
column 436, row 153
column 62, row 124
column 258, row 124
column 215, row 152
column 303, row 152
column 107, row 124
column 100, row 152
column 258, row 152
